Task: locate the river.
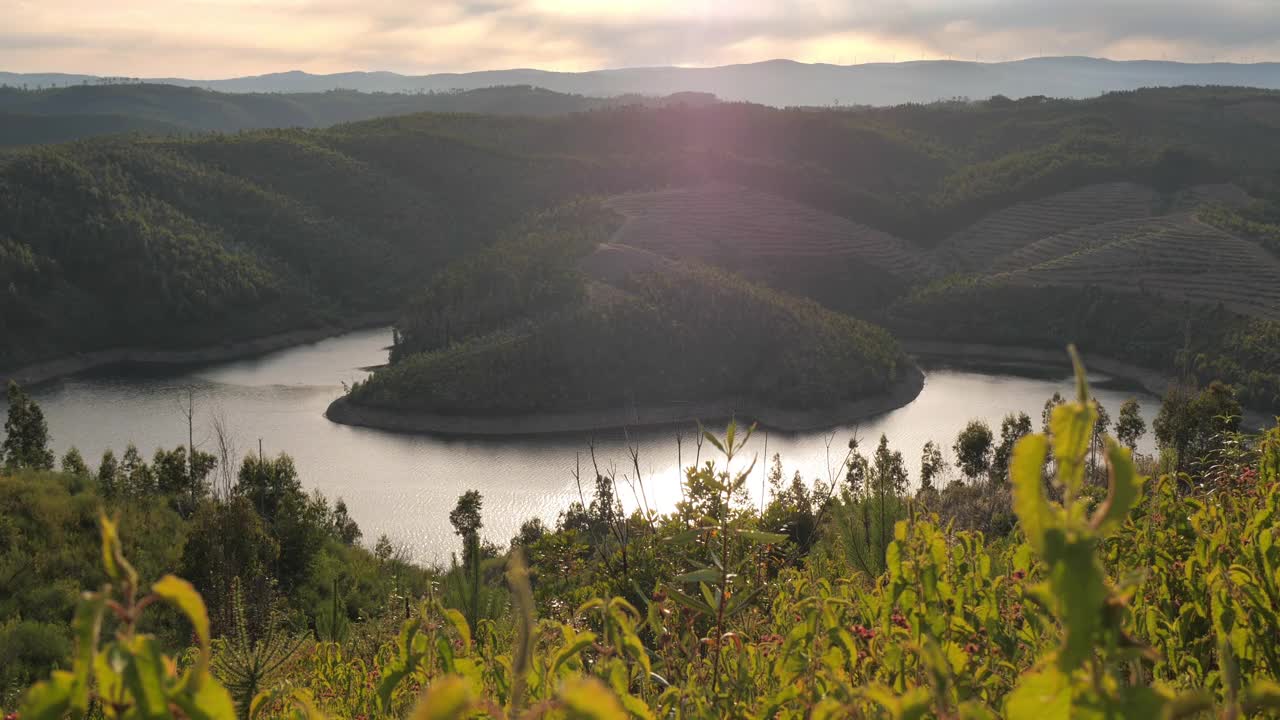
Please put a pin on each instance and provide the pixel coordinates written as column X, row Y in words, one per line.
column 405, row 485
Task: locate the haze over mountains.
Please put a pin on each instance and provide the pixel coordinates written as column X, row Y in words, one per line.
column 775, row 82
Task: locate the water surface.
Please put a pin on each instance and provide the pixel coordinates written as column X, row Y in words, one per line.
column 405, row 485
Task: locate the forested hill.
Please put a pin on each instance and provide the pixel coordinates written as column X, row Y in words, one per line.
column 60, row 114
column 780, row 83
column 168, row 242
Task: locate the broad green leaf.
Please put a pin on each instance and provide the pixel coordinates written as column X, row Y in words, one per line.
column 144, row 675
column 693, row 603
column 260, row 702
column 86, row 627
column 635, row 706
column 764, row 538
column 711, row 438
column 208, row 701
column 1262, row 695
column 1126, row 487
column 576, row 645
column 635, row 650
column 448, row 698
column 1040, row 695
column 113, row 554
column 183, row 596
column 49, row 700
column 1078, row 583
column 1082, row 376
column 705, row 575
column 459, row 623
column 1029, row 503
column 893, row 560
column 1072, row 428
column 740, row 601
column 586, row 698
column 914, row 704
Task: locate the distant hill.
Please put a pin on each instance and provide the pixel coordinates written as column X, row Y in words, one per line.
column 59, row 114
column 776, row 82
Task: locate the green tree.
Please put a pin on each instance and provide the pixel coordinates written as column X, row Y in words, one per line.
column 531, row 531
column 73, row 463
column 109, row 475
column 1130, row 427
column 136, row 476
column 344, row 526
column 973, row 449
column 888, row 471
column 931, row 465
column 466, row 521
column 1047, row 412
column 299, row 524
column 26, row 442
column 1189, row 423
column 228, row 548
column 1097, row 443
column 857, row 471
column 1012, row 429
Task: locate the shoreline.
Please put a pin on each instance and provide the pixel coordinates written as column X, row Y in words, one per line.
column 343, row 412
column 995, row 356
column 66, row 366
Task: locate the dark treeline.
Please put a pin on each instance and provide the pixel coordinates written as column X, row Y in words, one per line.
column 36, row 116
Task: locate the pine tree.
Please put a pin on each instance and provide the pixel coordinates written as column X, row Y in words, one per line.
column 73, row 464
column 26, row 442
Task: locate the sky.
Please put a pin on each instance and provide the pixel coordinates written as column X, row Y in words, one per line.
column 208, row 39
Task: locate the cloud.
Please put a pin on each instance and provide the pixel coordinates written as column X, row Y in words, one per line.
column 218, row 38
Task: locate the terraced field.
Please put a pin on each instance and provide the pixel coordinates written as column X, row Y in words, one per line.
column 1175, row 256
column 740, row 228
column 1121, row 235
column 978, row 246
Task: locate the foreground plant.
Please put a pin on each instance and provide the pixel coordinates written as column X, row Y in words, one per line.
column 128, row 676
column 1166, row 607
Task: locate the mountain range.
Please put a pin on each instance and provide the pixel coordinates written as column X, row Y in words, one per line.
column 776, row 82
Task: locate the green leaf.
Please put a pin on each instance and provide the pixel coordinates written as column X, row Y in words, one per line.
column 183, row 595
column 893, row 560
column 634, row 649
column 113, row 553
column 635, row 706
column 1072, row 429
column 1126, row 487
column 1029, row 503
column 576, row 645
column 208, row 701
column 764, row 538
column 1262, row 695
column 144, row 676
column 448, row 698
column 85, row 627
column 1040, row 695
column 690, row 602
column 586, row 698
column 711, row 438
column 459, row 623
column 49, row 700
column 1078, row 583
column 705, row 575
column 740, row 601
